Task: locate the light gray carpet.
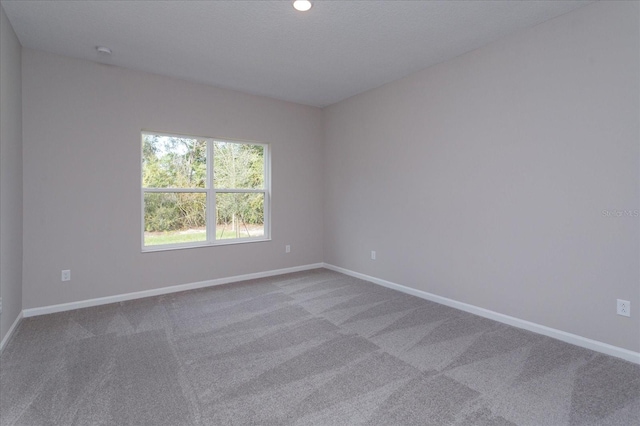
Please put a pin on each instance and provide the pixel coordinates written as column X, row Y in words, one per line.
column 310, row 348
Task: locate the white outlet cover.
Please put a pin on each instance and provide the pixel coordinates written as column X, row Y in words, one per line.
column 624, row 308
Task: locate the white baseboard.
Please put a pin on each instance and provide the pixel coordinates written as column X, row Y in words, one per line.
column 159, row 291
column 12, row 329
column 574, row 339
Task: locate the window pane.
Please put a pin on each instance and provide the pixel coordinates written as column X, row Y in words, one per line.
column 238, row 166
column 172, row 218
column 173, row 162
column 239, row 215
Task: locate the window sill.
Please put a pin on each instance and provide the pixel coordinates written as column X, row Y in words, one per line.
column 152, row 249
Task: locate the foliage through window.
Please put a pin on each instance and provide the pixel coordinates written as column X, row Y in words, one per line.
column 203, row 191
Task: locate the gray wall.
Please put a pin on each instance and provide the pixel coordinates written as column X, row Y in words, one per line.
column 484, row 179
column 10, row 176
column 82, row 123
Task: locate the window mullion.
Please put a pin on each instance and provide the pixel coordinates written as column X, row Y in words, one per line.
column 175, row 190
column 241, row 191
column 211, row 196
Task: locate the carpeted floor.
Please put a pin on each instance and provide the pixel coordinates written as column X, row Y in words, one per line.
column 310, row 348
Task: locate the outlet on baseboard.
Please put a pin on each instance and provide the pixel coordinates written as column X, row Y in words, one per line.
column 287, row 248
column 66, row 275
column 373, row 255
column 624, row 308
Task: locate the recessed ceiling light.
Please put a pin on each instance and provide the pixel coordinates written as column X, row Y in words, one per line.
column 302, row 5
column 103, row 50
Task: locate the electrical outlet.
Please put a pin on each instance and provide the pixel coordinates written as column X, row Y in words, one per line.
column 373, row 255
column 624, row 308
column 287, row 248
column 66, row 275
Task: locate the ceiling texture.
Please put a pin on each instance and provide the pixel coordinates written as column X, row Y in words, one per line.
column 336, row 50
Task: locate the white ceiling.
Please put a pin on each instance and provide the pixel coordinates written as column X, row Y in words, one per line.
column 334, row 51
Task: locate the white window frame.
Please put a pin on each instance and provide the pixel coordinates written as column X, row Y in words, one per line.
column 211, row 193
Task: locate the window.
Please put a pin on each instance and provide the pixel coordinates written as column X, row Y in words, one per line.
column 203, row 191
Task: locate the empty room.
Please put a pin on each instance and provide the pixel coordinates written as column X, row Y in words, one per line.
column 319, row 212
